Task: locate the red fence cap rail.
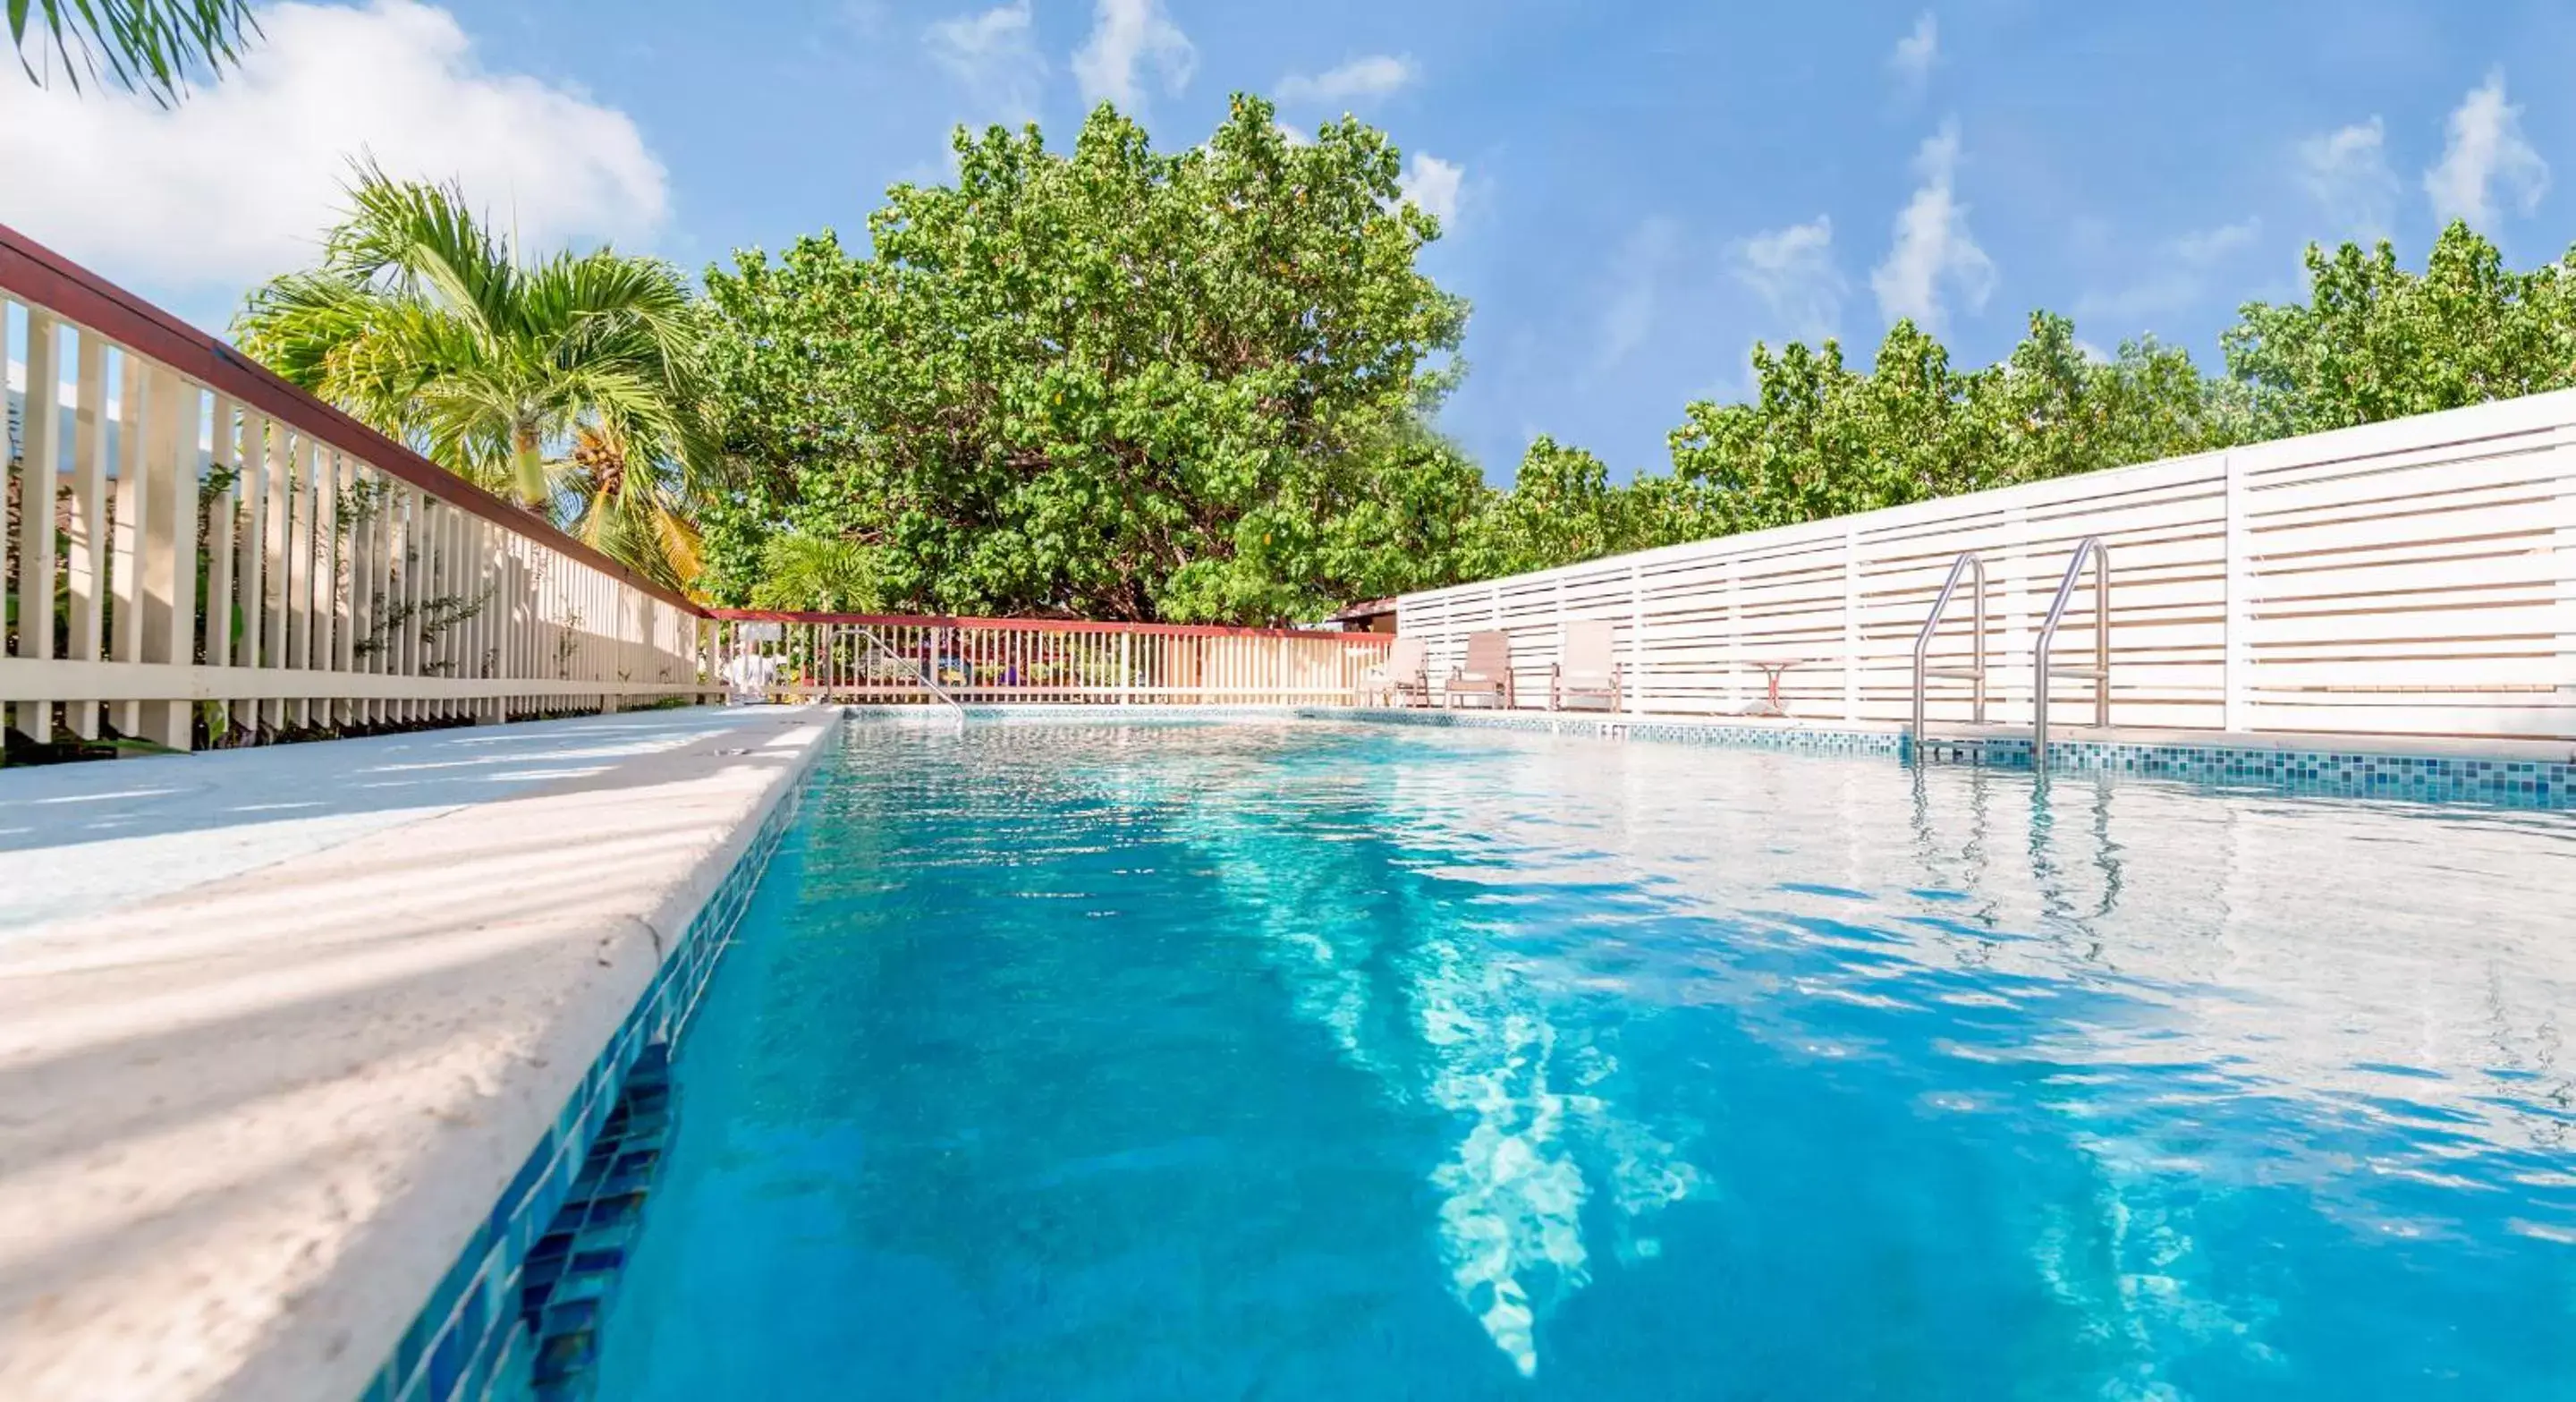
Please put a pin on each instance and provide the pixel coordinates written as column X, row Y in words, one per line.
column 46, row 279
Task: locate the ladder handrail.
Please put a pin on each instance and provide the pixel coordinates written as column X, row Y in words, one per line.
column 2090, row 547
column 1969, row 562
column 929, row 674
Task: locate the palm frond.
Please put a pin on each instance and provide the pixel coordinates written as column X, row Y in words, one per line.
column 799, row 571
column 420, row 321
column 424, row 242
column 148, row 45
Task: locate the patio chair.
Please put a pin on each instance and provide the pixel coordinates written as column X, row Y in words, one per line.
column 1405, row 673
column 1587, row 666
column 1487, row 670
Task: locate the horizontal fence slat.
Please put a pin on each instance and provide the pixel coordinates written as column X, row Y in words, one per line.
column 2361, row 572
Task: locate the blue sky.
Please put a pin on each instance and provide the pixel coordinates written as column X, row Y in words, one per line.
column 1635, row 193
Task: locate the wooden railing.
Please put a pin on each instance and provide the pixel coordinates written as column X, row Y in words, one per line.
column 198, row 551
column 2416, row 577
column 896, row 659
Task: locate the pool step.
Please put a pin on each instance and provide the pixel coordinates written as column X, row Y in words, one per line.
column 2007, row 746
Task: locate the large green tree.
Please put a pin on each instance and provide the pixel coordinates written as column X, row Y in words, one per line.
column 1112, row 382
column 573, row 382
column 1195, row 386
column 2374, row 341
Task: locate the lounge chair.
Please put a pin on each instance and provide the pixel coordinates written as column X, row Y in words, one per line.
column 1486, row 672
column 1404, row 673
column 1587, row 666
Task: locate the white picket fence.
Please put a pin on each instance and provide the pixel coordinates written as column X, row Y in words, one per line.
column 2407, row 578
column 198, row 543
column 898, row 659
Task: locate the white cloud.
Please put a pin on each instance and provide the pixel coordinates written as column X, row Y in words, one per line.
column 995, row 56
column 1374, row 76
column 238, row 182
column 1917, row 53
column 1126, row 35
column 2346, row 172
column 2486, row 149
column 1434, row 184
column 1933, row 248
column 1636, row 285
column 2177, row 276
column 1792, row 270
column 2203, row 247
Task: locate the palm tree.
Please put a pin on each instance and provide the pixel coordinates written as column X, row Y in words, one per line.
column 648, row 528
column 571, row 383
column 149, row 45
column 827, row 573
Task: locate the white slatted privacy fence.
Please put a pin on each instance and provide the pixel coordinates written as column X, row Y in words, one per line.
column 2407, row 578
column 195, row 543
column 884, row 658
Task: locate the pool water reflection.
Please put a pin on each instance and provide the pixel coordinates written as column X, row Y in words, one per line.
column 1300, row 1060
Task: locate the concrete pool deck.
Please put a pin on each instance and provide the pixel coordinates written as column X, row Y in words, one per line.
column 277, row 1026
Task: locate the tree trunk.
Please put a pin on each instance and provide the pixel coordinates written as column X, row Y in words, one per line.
column 528, row 467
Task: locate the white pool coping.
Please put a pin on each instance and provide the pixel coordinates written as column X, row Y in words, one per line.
column 254, row 1100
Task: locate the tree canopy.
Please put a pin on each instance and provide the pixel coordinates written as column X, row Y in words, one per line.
column 1111, row 382
column 2374, row 341
column 1121, row 383
column 1820, row 439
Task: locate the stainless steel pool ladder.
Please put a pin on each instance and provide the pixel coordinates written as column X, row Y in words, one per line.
column 2099, row 673
column 1970, row 564
column 928, row 674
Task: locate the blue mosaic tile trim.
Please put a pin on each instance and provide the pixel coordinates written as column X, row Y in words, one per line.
column 473, row 1340
column 2317, row 773
column 1823, row 742
column 1074, row 713
column 573, row 1270
column 2321, row 773
column 1688, row 732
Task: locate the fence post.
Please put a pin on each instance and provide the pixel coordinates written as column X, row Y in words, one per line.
column 1735, row 634
column 40, row 456
column 2564, row 538
column 2012, row 581
column 166, row 547
column 85, row 570
column 124, row 555
column 250, row 580
column 1556, row 644
column 220, row 530
column 2236, row 666
column 1126, row 668
column 1851, row 622
column 1636, row 640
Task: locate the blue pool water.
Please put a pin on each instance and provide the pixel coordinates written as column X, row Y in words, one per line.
column 1355, row 1062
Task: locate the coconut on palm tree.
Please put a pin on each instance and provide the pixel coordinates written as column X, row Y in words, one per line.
column 571, row 383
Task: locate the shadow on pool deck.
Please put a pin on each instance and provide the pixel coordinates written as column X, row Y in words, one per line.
column 245, row 1125
column 79, row 839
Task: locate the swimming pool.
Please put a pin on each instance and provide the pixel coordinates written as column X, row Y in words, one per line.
column 1340, row 1060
